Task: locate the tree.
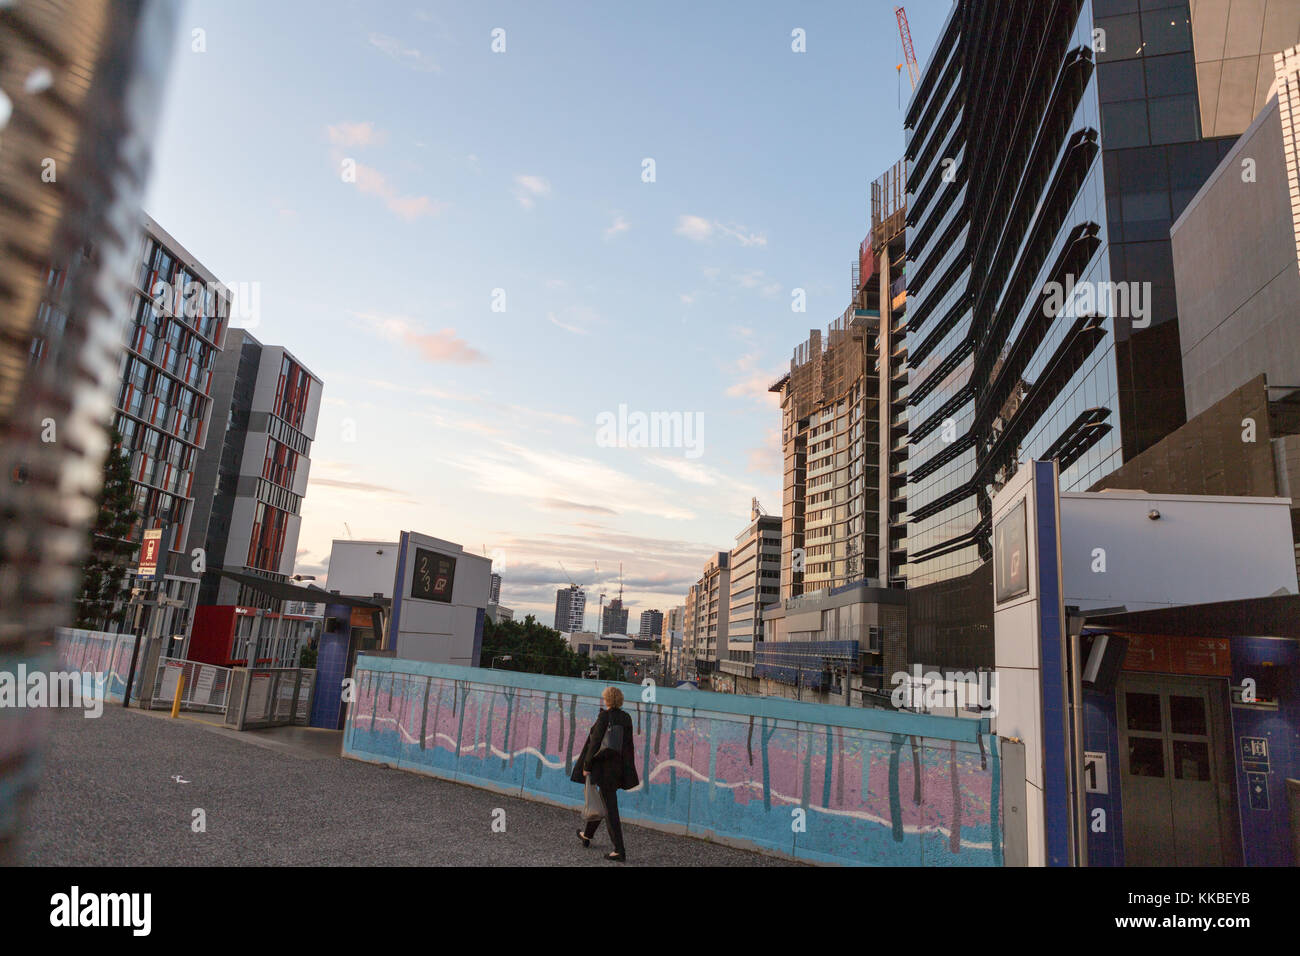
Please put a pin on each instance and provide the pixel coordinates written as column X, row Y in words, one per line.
column 531, row 647
column 608, row 667
column 111, row 547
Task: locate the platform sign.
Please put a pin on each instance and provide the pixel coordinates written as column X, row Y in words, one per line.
column 150, row 549
column 433, row 576
column 1094, row 772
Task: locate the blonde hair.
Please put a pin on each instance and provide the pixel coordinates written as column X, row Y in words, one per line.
column 612, row 696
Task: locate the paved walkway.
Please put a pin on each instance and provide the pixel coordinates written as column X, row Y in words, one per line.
column 112, row 794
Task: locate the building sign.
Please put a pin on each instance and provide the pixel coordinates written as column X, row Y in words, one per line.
column 1158, row 653
column 433, row 576
column 202, row 693
column 1257, row 786
column 1254, row 754
column 1094, row 772
column 150, row 548
column 1011, row 555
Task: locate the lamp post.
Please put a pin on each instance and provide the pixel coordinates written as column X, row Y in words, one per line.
column 500, row 657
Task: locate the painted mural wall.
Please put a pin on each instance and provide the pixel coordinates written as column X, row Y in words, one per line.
column 819, row 783
column 99, row 655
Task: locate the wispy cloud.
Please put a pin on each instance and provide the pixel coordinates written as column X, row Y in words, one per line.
column 529, row 188
column 372, row 182
column 690, row 471
column 699, row 229
column 753, row 381
column 440, row 346
column 766, row 458
column 356, row 134
column 559, row 504
column 550, row 317
column 394, row 49
column 617, row 226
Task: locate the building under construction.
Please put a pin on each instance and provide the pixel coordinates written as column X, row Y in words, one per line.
column 844, row 442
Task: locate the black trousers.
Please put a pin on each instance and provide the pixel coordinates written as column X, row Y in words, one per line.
column 610, row 796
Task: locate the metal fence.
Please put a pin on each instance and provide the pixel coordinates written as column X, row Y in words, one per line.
column 269, row 696
column 206, row 688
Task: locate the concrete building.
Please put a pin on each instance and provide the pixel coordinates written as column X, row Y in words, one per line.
column 1235, row 42
column 706, row 619
column 570, row 607
column 1236, row 261
column 494, row 595
column 496, row 613
column 651, row 623
column 755, row 583
column 252, row 475
column 613, row 619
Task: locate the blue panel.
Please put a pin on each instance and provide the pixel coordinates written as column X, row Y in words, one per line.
column 1051, row 630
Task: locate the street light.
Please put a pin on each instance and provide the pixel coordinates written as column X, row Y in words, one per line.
column 500, row 657
column 304, row 577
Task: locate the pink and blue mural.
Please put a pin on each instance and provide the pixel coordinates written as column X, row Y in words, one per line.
column 815, row 782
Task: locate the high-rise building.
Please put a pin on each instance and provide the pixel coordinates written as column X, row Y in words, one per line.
column 707, row 616
column 613, row 619
column 1043, row 177
column 570, row 606
column 651, row 623
column 675, row 618
column 177, row 316
column 494, row 592
column 755, row 583
column 252, row 474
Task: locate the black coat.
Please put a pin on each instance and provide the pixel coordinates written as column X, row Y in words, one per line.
column 608, row 770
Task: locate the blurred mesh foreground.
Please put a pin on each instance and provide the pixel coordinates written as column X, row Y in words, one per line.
column 81, row 81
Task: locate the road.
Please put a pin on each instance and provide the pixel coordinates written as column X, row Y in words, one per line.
column 122, row 789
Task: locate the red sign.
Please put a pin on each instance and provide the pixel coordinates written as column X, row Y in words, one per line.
column 1207, row 656
column 149, row 549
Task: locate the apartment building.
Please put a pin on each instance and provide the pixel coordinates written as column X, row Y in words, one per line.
column 755, row 583
column 570, row 607
column 651, row 623
column 707, row 617
column 253, row 473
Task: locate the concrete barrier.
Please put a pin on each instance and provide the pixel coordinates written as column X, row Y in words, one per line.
column 808, row 781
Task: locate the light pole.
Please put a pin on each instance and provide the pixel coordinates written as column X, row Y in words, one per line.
column 500, row 657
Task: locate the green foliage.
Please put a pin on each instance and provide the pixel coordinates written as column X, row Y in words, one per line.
column 307, row 657
column 609, row 668
column 111, row 548
column 531, row 647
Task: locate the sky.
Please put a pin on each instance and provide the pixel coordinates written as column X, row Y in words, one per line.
column 497, row 230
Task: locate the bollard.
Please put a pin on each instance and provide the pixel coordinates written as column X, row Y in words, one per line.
column 180, row 688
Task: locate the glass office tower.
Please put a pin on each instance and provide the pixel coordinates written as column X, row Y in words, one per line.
column 1050, row 145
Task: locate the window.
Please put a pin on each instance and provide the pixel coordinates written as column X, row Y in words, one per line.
column 1174, row 119
column 1124, row 124
column 1121, row 81
column 1166, row 31
column 1170, row 75
column 1123, row 37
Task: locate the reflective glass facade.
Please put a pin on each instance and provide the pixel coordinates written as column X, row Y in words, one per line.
column 1043, row 158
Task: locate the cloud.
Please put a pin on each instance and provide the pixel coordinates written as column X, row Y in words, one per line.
column 698, row 229
column 392, row 48
column 758, row 279
column 528, row 188
column 355, row 134
column 352, row 486
column 754, row 381
column 693, row 472
column 767, row 458
column 619, row 225
column 372, row 182
column 550, row 317
column 559, row 504
column 544, row 474
column 440, row 346
column 694, row 228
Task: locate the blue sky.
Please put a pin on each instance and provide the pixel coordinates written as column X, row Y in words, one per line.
column 522, row 171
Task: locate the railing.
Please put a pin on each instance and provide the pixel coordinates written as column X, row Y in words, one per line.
column 270, row 697
column 206, row 687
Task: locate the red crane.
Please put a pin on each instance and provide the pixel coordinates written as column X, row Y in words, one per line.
column 913, row 71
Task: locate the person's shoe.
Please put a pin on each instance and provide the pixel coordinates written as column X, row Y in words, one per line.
column 617, row 857
column 586, row 840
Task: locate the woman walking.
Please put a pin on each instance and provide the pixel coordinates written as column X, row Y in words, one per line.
column 608, row 763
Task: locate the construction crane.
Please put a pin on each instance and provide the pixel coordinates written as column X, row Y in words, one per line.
column 913, row 70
